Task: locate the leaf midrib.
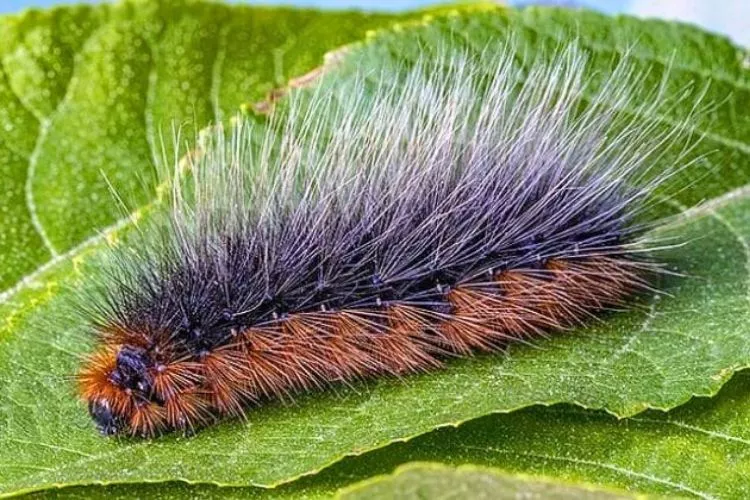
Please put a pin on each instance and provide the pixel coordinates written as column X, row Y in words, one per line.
column 44, row 123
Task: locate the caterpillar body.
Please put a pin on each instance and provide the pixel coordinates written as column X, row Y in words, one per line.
column 377, row 229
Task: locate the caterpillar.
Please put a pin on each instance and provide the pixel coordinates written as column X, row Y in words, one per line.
column 378, row 229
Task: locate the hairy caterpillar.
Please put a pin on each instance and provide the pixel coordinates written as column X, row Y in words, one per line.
column 378, row 229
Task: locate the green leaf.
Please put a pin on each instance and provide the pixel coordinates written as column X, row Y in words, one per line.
column 86, row 94
column 645, row 357
column 417, row 481
column 686, row 343
column 699, row 450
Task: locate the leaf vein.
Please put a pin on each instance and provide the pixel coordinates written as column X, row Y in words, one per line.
column 601, row 465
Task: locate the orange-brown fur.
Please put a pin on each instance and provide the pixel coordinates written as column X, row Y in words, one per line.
column 308, row 351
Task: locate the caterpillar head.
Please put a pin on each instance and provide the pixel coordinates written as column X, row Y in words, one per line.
column 118, row 383
column 144, row 390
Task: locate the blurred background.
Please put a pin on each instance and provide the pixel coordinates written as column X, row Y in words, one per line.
column 730, row 17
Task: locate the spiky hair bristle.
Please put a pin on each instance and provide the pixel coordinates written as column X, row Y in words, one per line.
column 378, row 228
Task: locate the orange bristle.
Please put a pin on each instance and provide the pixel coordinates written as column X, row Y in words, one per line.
column 147, row 419
column 175, row 378
column 310, row 350
column 188, row 410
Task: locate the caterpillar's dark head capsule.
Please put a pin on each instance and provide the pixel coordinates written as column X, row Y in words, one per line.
column 131, row 389
column 132, row 370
